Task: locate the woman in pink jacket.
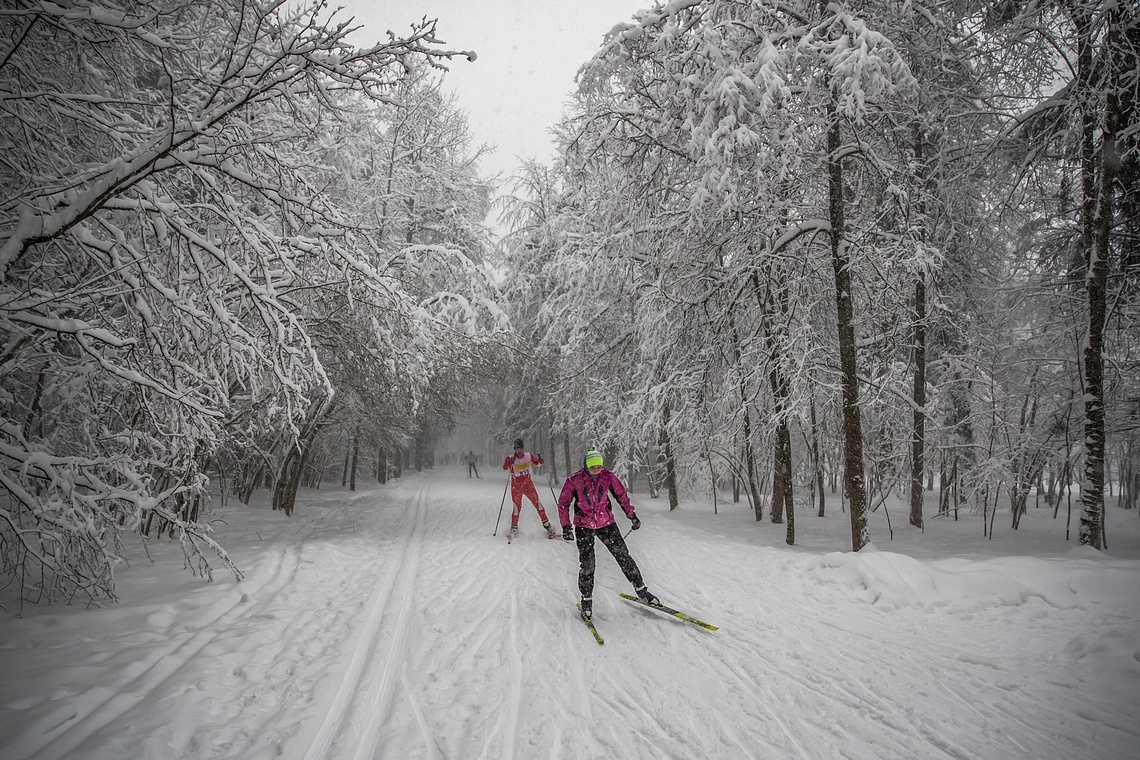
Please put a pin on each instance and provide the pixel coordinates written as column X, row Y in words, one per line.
column 588, row 490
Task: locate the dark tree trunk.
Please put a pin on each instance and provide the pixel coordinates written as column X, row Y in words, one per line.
column 355, row 458
column 789, row 505
column 853, row 478
column 749, row 450
column 293, row 465
column 918, row 431
column 816, row 461
column 1098, row 202
column 782, row 485
column 750, row 463
column 776, row 511
column 289, row 478
column 553, row 460
column 670, row 463
column 943, row 490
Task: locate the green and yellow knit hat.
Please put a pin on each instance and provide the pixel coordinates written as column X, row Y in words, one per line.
column 593, row 458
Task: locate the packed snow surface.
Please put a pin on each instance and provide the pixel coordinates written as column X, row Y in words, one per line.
column 391, row 623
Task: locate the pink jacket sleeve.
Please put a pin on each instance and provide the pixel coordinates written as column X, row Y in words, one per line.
column 564, row 500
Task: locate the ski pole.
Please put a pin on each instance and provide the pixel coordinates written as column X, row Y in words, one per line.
column 504, row 501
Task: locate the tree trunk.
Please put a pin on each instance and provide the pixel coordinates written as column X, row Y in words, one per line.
column 853, row 478
column 918, row 432
column 789, row 505
column 943, row 489
column 652, row 480
column 285, row 489
column 816, row 461
column 750, row 462
column 553, row 460
column 712, row 479
column 293, row 464
column 749, row 450
column 782, row 485
column 776, row 511
column 1098, row 230
column 670, row 463
column 355, row 457
column 251, row 475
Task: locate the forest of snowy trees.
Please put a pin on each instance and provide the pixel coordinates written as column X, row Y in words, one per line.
column 889, row 244
column 791, row 248
column 226, row 234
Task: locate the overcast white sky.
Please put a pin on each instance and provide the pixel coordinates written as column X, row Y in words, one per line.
column 528, row 54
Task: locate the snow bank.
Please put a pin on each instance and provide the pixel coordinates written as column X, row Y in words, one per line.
column 894, row 581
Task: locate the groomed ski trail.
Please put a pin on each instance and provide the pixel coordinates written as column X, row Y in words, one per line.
column 390, row 624
column 362, row 702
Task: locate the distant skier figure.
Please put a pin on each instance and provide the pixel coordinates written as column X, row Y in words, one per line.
column 521, row 464
column 472, row 460
column 589, row 491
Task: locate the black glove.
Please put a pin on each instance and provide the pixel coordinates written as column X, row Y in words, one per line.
column 636, row 523
column 567, row 533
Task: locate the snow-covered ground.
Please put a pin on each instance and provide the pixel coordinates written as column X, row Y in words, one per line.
column 390, row 623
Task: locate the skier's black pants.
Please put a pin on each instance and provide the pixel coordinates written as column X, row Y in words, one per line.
column 610, row 536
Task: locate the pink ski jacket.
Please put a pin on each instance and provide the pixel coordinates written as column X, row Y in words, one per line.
column 591, row 499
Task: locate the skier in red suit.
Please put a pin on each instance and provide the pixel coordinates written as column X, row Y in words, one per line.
column 521, row 465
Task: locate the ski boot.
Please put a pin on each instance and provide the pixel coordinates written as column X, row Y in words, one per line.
column 647, row 596
column 549, row 530
column 587, row 606
column 512, row 533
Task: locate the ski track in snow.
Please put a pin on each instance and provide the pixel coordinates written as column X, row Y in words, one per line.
column 388, row 624
column 362, row 702
column 163, row 666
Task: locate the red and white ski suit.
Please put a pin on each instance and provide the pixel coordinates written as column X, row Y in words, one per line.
column 521, row 466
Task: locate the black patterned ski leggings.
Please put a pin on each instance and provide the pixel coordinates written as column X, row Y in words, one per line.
column 610, row 536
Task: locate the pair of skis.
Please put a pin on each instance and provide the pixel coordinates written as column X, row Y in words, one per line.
column 659, row 607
